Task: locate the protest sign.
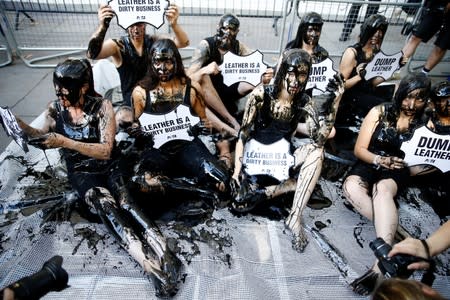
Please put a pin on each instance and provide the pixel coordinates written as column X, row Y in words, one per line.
column 12, row 129
column 273, row 159
column 129, row 12
column 427, row 147
column 319, row 76
column 168, row 127
column 248, row 68
column 383, row 65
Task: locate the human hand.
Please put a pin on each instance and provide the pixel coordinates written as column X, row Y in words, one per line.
column 412, row 247
column 267, row 76
column 105, row 14
column 172, row 14
column 212, row 68
column 47, row 141
column 361, row 70
column 336, row 84
column 390, row 162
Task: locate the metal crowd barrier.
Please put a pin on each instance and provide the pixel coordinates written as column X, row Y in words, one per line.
column 41, row 32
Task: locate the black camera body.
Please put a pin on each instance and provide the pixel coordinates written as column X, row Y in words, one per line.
column 395, row 266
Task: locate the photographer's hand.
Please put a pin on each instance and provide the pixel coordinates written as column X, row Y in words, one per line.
column 412, row 247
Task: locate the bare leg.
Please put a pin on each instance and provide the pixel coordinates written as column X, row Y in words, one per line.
column 385, row 211
column 411, row 46
column 357, row 193
column 435, row 57
column 313, row 157
column 164, row 273
column 219, row 125
column 213, row 100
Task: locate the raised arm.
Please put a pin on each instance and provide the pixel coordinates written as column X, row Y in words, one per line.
column 98, row 48
column 181, row 39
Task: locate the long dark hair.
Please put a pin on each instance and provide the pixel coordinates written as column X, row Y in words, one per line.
column 409, row 83
column 151, row 79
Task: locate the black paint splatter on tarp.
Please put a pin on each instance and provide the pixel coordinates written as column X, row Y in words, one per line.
column 92, row 238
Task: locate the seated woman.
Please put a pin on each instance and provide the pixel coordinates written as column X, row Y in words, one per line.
column 380, row 172
column 169, row 106
column 360, row 95
column 264, row 164
column 83, row 126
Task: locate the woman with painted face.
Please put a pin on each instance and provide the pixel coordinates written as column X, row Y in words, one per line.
column 360, row 95
column 440, row 99
column 130, row 53
column 169, row 106
column 264, row 155
column 308, row 35
column 380, row 172
column 82, row 124
column 204, row 68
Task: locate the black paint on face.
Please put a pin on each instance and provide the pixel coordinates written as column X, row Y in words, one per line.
column 413, row 102
column 312, row 35
column 164, row 66
column 227, row 35
column 442, row 106
column 295, row 79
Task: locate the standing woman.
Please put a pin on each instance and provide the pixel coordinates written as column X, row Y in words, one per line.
column 380, row 172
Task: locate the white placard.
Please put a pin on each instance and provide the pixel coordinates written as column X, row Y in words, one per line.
column 247, row 68
column 427, row 147
column 383, row 65
column 320, row 75
column 274, row 159
column 129, row 12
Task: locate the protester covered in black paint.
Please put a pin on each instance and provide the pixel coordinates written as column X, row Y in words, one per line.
column 380, row 172
column 130, row 53
column 360, row 95
column 82, row 124
column 170, row 106
column 272, row 114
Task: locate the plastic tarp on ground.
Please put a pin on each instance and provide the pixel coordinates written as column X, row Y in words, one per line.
column 225, row 256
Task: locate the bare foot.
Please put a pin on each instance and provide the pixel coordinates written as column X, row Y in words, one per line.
column 300, row 241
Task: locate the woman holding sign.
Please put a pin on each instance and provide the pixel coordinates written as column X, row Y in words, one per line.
column 130, row 53
column 170, row 107
column 360, row 96
column 264, row 161
column 380, row 172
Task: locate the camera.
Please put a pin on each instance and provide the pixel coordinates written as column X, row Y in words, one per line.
column 52, row 277
column 395, row 266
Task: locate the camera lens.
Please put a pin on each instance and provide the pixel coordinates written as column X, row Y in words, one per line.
column 380, row 248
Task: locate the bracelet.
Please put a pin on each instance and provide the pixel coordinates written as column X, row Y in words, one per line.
column 427, row 249
column 376, row 160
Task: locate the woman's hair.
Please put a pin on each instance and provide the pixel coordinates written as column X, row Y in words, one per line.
column 151, row 79
column 370, row 26
column 402, row 289
column 73, row 74
column 408, row 84
column 310, row 18
column 291, row 58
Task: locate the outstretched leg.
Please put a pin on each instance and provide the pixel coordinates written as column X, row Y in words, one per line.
column 312, row 157
column 164, row 278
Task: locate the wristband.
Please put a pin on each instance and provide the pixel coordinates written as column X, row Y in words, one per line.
column 427, row 249
column 376, row 160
